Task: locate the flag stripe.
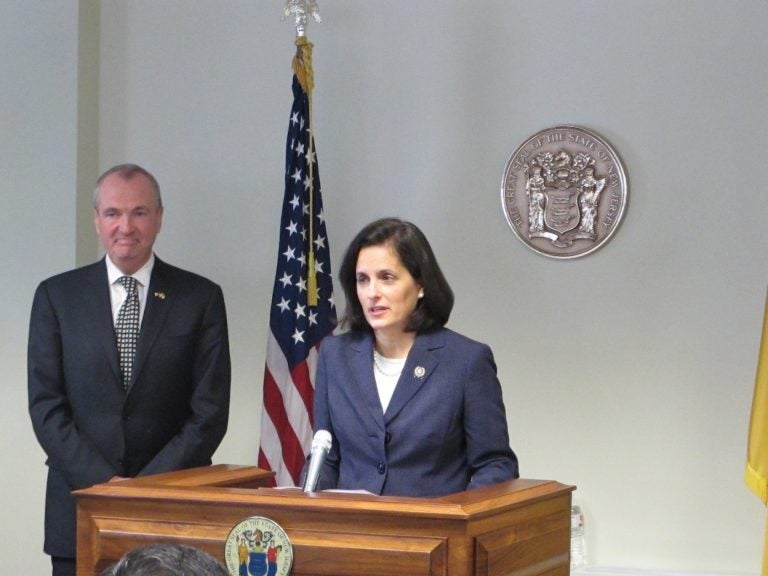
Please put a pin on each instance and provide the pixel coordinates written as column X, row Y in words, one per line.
column 287, row 393
column 291, row 452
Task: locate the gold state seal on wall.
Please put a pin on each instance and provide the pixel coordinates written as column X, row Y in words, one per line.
column 258, row 546
column 564, row 192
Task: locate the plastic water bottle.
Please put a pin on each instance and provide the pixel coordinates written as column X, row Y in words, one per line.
column 578, row 539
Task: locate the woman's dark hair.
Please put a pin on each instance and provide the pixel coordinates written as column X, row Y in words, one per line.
column 414, row 251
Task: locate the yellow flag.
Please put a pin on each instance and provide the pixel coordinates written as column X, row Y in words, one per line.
column 756, row 475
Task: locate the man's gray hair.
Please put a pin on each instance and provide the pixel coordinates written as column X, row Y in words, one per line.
column 126, row 172
column 167, row 560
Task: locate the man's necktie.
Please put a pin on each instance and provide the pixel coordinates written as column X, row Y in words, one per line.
column 127, row 328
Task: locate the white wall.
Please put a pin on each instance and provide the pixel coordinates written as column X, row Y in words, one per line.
column 627, row 373
column 38, row 161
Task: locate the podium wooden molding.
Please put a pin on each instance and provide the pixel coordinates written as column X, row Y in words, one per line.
column 520, row 527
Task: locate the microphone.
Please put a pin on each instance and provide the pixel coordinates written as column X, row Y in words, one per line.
column 321, row 444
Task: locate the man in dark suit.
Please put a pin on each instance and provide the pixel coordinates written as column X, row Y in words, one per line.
column 96, row 420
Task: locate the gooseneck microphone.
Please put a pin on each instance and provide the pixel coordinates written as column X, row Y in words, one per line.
column 321, row 444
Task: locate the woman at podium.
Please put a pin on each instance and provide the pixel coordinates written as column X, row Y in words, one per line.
column 413, row 408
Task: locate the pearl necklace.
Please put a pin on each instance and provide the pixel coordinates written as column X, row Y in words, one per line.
column 377, row 365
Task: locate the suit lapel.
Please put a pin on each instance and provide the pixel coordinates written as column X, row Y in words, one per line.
column 362, row 376
column 160, row 299
column 419, row 367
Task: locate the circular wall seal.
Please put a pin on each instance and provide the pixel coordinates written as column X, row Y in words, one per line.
column 258, row 546
column 564, row 192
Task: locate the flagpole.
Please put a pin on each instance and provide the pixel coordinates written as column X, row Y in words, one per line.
column 302, row 67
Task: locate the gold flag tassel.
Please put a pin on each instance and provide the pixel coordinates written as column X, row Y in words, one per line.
column 302, row 67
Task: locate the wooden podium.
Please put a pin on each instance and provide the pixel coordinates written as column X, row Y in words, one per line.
column 520, row 527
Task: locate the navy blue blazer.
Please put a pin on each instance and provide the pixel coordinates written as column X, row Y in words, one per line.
column 444, row 431
column 173, row 416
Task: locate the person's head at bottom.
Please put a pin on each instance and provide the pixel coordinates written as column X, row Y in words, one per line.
column 167, row 560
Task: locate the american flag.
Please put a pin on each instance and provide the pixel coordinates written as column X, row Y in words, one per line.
column 303, row 312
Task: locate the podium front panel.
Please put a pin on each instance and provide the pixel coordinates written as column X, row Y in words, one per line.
column 518, row 528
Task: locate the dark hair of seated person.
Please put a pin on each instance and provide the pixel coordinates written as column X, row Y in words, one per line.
column 167, row 560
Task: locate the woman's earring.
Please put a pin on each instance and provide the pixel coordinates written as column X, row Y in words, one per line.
column 421, row 293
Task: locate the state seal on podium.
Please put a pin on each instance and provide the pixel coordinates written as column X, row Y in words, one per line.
column 258, row 546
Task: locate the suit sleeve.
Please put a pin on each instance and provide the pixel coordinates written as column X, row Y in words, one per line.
column 67, row 449
column 206, row 425
column 489, row 456
column 329, row 474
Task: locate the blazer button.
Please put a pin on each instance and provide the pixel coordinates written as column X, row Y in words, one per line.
column 381, row 468
column 387, row 437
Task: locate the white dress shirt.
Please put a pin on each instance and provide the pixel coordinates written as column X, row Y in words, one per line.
column 117, row 292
